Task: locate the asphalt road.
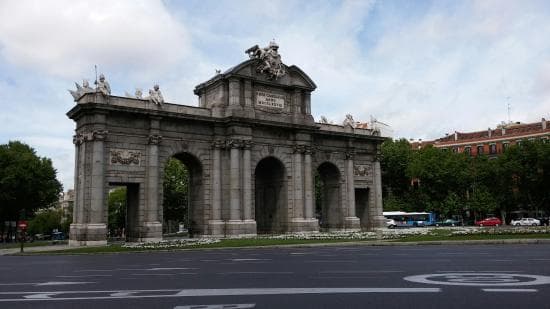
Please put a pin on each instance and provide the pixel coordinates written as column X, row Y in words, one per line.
column 477, row 276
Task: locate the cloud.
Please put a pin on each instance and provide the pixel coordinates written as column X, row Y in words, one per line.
column 65, row 38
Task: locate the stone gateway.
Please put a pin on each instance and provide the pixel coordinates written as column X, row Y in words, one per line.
column 252, row 150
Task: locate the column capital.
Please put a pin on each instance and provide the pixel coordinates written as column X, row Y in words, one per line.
column 78, row 139
column 218, row 144
column 308, row 150
column 155, row 139
column 298, row 148
column 98, row 135
column 350, row 154
column 247, row 144
column 234, row 143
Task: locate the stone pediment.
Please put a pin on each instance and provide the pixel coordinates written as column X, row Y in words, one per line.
column 294, row 77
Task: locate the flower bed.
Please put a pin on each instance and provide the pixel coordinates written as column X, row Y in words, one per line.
column 172, row 244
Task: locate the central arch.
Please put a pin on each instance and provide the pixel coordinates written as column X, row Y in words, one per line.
column 331, row 216
column 195, row 193
column 270, row 201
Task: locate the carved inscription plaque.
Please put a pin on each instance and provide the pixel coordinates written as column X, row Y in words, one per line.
column 269, row 99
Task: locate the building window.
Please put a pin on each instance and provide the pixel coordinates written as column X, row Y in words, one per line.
column 445, row 149
column 493, row 149
column 455, row 149
column 468, row 150
column 505, row 146
column 480, row 149
column 519, row 142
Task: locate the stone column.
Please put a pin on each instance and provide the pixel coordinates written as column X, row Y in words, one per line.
column 97, row 225
column 298, row 183
column 235, row 181
column 351, row 221
column 308, row 184
column 247, row 182
column 152, row 227
column 307, row 102
column 297, row 101
column 215, row 223
column 77, row 234
column 378, row 218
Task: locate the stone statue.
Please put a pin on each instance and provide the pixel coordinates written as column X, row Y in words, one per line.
column 102, row 85
column 155, row 95
column 324, row 120
column 81, row 90
column 269, row 60
column 349, row 121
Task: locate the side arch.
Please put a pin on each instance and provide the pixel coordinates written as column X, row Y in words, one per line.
column 329, row 209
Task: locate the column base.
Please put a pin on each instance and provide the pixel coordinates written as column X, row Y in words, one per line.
column 91, row 234
column 378, row 222
column 216, row 228
column 151, row 232
column 240, row 228
column 352, row 224
column 303, row 225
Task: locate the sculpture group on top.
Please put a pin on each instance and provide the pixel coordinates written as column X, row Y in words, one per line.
column 102, row 86
column 269, row 60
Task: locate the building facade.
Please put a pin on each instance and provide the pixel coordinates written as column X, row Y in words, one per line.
column 251, row 148
column 491, row 142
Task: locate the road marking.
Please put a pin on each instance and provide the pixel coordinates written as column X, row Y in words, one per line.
column 61, row 283
column 511, row 290
column 287, row 291
column 130, row 294
column 256, row 273
column 480, row 279
column 359, row 271
column 152, row 274
column 169, row 268
column 40, row 296
column 248, row 260
column 84, row 276
column 221, row 306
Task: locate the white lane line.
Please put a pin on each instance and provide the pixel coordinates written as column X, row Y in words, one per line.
column 331, row 261
column 511, row 290
column 152, row 274
column 470, row 271
column 218, row 306
column 60, row 283
column 40, row 296
column 84, row 276
column 502, row 260
column 286, row 291
column 129, row 294
column 248, row 260
column 256, row 273
column 359, row 271
column 170, row 268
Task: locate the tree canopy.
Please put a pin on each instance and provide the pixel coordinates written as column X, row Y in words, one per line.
column 449, row 183
column 27, row 182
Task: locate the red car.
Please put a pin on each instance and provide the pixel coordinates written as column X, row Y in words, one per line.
column 493, row 221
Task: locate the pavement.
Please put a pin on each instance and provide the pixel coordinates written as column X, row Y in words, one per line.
column 340, row 276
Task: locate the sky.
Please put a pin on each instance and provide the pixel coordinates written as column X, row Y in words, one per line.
column 425, row 68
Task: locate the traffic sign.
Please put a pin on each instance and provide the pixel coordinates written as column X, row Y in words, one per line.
column 22, row 225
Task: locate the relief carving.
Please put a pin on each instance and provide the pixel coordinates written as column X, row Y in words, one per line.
column 361, row 170
column 125, row 157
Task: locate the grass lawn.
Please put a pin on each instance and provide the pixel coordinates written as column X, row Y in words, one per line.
column 37, row 243
column 435, row 235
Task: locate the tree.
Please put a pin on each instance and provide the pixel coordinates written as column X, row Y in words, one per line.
column 175, row 187
column 117, row 210
column 27, row 182
column 47, row 220
column 395, row 160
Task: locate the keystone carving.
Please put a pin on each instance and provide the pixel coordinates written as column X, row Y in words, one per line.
column 155, row 139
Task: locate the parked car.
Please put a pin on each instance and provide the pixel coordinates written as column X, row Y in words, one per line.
column 390, row 223
column 449, row 222
column 58, row 236
column 525, row 221
column 492, row 221
column 543, row 220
